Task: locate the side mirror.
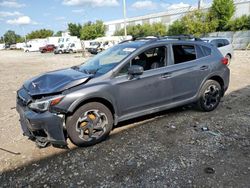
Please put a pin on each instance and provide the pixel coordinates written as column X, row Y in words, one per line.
column 135, row 70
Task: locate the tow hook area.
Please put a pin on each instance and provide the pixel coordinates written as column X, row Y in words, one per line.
column 42, row 142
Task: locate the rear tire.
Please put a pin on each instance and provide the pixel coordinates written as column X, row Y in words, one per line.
column 209, row 96
column 90, row 124
column 229, row 59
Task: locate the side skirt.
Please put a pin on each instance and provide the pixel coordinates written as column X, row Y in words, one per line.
column 154, row 110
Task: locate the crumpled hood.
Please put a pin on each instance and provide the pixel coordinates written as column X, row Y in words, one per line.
column 54, row 82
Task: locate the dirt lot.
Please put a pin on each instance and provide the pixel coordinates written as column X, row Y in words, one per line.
column 167, row 149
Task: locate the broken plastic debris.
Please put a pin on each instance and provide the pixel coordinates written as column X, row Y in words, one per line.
column 204, row 128
column 209, row 170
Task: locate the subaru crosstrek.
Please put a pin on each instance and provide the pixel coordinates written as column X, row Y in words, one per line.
column 132, row 79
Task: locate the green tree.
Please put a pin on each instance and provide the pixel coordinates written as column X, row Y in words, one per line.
column 20, row 39
column 155, row 29
column 42, row 33
column 92, row 30
column 10, row 37
column 1, row 40
column 58, row 34
column 75, row 29
column 222, row 10
column 196, row 23
column 241, row 23
column 177, row 28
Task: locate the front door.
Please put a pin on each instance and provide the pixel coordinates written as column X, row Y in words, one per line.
column 147, row 91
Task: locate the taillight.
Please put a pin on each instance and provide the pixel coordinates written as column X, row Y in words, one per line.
column 224, row 61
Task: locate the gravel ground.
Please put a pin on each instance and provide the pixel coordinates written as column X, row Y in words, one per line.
column 167, row 149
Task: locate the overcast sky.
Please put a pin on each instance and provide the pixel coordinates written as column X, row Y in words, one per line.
column 24, row 16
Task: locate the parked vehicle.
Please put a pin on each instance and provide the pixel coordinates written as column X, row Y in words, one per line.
column 131, row 79
column 13, row 47
column 94, row 47
column 223, row 44
column 60, row 49
column 73, row 48
column 31, row 48
column 2, row 46
column 47, row 48
column 20, row 45
column 7, row 47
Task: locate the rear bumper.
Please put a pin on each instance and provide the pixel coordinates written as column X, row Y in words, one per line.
column 46, row 125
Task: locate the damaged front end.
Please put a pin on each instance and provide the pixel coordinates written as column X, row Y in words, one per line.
column 37, row 101
column 38, row 121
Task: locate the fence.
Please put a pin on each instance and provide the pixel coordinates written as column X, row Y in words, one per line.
column 239, row 39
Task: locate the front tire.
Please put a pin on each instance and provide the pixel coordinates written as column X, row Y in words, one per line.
column 90, row 124
column 209, row 96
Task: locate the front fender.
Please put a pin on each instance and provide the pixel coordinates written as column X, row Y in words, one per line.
column 100, row 92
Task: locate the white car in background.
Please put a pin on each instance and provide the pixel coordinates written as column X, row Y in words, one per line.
column 60, row 49
column 73, row 48
column 31, row 48
column 223, row 44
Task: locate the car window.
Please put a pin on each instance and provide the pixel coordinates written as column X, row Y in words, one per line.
column 150, row 59
column 217, row 43
column 108, row 59
column 207, row 51
column 183, row 53
column 226, row 42
column 220, row 43
column 199, row 52
column 214, row 42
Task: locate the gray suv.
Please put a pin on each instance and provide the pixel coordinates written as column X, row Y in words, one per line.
column 132, row 79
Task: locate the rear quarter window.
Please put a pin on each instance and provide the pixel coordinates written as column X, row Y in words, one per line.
column 206, row 50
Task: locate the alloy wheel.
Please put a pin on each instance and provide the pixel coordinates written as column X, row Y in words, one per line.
column 211, row 96
column 92, row 125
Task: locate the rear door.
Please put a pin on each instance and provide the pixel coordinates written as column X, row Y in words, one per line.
column 187, row 70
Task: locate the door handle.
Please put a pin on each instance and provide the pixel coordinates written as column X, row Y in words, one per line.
column 204, row 67
column 166, row 75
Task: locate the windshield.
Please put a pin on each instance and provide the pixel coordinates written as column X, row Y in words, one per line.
column 107, row 60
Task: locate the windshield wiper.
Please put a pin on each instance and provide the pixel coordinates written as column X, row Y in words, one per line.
column 94, row 71
column 75, row 67
column 80, row 70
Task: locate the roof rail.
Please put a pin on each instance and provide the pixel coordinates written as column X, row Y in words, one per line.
column 151, row 38
column 181, row 37
column 155, row 38
column 147, row 38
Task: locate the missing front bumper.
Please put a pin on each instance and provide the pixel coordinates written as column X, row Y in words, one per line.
column 43, row 128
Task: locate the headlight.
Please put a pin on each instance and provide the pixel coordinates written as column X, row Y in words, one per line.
column 44, row 105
